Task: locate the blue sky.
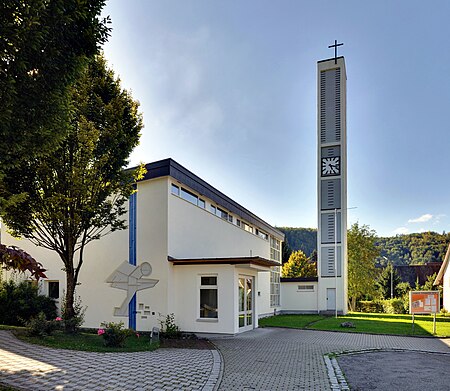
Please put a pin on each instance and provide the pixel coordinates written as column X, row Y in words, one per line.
column 228, row 89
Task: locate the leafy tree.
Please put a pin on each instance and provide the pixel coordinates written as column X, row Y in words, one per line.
column 384, row 282
column 361, row 262
column 298, row 266
column 12, row 257
column 76, row 194
column 429, row 283
column 43, row 47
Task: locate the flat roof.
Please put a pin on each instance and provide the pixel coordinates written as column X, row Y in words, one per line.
column 299, row 279
column 169, row 167
column 224, row 261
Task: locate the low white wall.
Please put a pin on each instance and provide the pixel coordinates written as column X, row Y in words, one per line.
column 295, row 299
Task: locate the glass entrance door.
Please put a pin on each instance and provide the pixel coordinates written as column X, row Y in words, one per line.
column 246, row 302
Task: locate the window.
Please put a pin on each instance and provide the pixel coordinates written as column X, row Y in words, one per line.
column 53, row 289
column 221, row 213
column 247, row 227
column 275, row 286
column 175, row 190
column 275, row 255
column 262, row 234
column 305, row 288
column 208, row 297
column 238, row 222
column 275, row 246
column 187, row 195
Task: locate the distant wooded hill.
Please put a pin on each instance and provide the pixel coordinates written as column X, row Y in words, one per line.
column 304, row 239
column 411, row 249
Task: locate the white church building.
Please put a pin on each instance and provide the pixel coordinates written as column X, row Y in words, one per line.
column 188, row 250
column 191, row 251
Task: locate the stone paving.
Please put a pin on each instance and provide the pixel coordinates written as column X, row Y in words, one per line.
column 270, row 359
column 264, row 359
column 31, row 367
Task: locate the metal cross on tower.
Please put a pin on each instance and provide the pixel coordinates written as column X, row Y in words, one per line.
column 335, row 46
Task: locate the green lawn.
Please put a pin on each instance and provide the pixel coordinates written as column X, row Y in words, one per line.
column 364, row 323
column 290, row 321
column 87, row 342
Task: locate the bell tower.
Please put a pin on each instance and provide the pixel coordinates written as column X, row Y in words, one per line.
column 332, row 184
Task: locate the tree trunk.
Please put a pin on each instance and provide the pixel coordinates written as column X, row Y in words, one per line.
column 69, row 314
column 69, row 310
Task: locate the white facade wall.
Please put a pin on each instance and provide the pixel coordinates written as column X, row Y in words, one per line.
column 187, row 309
column 446, row 289
column 195, row 232
column 263, row 295
column 100, row 259
column 166, row 225
column 295, row 300
column 151, row 245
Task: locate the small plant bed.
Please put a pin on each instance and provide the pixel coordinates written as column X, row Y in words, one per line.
column 186, row 341
column 87, row 342
column 375, row 323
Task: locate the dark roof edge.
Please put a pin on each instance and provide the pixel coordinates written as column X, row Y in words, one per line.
column 169, row 167
column 329, row 59
column 299, row 279
column 223, row 260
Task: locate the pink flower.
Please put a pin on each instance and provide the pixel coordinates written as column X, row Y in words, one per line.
column 137, row 335
column 58, row 319
column 100, row 331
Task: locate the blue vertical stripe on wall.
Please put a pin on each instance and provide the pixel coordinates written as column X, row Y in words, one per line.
column 132, row 257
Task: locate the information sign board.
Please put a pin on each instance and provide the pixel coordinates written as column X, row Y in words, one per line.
column 424, row 302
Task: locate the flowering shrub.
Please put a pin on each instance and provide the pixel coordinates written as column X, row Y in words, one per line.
column 114, row 334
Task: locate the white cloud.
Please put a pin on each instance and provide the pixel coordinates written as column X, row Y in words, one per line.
column 401, row 231
column 422, row 219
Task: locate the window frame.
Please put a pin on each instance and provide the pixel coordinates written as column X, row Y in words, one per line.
column 49, row 291
column 207, row 287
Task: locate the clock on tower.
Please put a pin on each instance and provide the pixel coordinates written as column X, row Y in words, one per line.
column 331, row 166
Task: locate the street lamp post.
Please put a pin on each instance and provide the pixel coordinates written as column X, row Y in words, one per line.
column 335, row 264
column 392, row 277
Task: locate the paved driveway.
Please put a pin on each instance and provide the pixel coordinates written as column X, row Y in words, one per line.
column 264, row 359
column 285, row 359
column 31, row 367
